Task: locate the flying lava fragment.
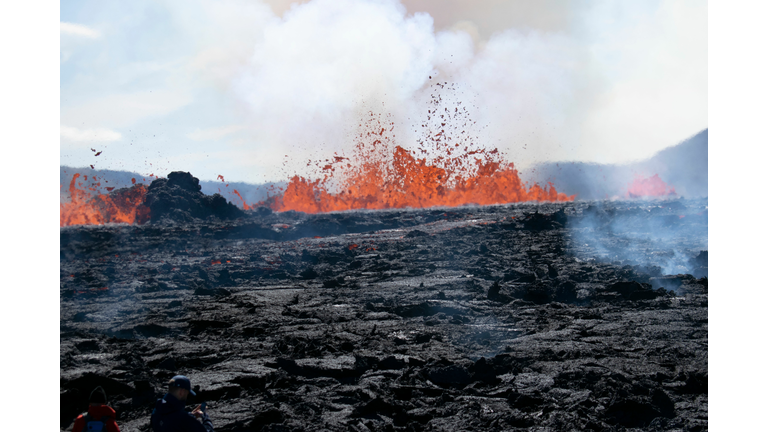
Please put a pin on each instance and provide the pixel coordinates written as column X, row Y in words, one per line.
column 381, row 174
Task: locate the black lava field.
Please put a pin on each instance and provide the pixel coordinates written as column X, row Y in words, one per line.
column 535, row 316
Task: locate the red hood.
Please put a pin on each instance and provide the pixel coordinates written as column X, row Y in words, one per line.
column 100, row 411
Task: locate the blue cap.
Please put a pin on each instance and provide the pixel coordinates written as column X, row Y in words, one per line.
column 182, row 382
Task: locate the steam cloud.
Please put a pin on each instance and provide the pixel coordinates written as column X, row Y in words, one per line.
column 232, row 87
column 322, row 67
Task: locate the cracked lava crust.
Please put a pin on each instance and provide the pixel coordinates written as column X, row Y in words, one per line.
column 473, row 318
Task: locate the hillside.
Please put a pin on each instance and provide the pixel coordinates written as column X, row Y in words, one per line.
column 682, row 166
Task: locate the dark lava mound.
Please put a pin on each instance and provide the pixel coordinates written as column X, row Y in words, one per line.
column 179, row 198
column 558, row 316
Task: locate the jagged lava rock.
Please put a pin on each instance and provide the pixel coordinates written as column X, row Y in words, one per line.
column 179, row 198
column 344, row 321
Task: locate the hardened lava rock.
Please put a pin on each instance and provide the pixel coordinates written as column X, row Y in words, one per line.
column 552, row 316
column 178, row 198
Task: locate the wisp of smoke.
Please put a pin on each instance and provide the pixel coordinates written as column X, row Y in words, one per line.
column 665, row 234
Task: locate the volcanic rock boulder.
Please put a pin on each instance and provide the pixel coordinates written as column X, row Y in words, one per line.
column 179, row 198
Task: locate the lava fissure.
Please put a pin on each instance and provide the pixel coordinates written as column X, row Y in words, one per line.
column 380, row 174
column 447, row 168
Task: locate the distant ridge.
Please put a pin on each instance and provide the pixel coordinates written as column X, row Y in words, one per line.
column 682, row 166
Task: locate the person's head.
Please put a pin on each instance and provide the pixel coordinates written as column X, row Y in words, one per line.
column 98, row 396
column 180, row 387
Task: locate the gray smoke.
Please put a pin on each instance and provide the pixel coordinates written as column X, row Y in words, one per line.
column 665, row 234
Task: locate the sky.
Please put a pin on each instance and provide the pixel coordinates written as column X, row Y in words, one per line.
column 252, row 90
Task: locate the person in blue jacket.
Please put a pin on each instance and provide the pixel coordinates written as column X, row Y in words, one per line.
column 169, row 414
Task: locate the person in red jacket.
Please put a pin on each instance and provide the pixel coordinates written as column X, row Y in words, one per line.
column 99, row 416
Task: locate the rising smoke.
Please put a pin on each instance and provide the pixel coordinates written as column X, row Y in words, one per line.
column 326, row 64
column 236, row 87
column 633, row 233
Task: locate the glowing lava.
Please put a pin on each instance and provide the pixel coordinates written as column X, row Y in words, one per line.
column 245, row 205
column 123, row 205
column 381, row 174
column 653, row 186
column 445, row 167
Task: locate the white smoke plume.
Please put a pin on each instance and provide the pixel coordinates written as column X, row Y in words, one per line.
column 237, row 87
column 325, row 64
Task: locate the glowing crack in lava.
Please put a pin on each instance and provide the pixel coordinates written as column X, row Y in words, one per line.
column 653, row 186
column 123, row 205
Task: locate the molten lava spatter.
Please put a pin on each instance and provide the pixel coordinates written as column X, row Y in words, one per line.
column 652, row 186
column 453, row 171
column 416, row 184
column 245, row 205
column 445, row 167
column 123, row 205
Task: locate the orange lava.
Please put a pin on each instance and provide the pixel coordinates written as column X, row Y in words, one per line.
column 446, row 169
column 245, row 205
column 122, row 206
column 653, row 186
